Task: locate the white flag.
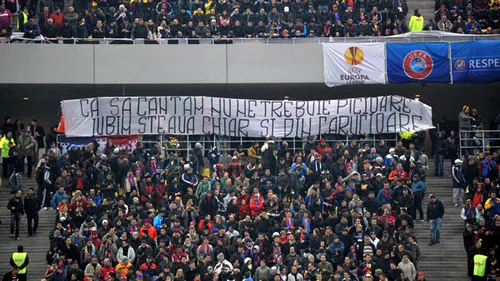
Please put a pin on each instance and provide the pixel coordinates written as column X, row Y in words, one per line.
column 354, row 63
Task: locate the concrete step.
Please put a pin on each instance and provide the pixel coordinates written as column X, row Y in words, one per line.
column 36, row 247
column 447, row 260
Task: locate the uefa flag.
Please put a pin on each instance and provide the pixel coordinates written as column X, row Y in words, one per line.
column 354, row 63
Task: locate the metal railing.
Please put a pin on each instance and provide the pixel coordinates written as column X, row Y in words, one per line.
column 471, row 142
column 227, row 145
column 423, row 36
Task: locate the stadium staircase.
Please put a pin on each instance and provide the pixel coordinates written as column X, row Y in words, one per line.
column 447, row 260
column 36, row 247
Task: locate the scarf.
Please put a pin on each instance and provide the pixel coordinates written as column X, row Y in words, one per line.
column 387, row 194
column 152, row 167
column 131, row 181
column 132, row 229
column 79, row 182
column 337, row 16
column 86, row 253
column 306, row 223
column 205, row 249
column 107, row 250
column 289, row 223
column 138, row 172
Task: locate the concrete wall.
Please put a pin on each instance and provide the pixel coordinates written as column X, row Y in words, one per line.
column 161, row 64
column 35, row 63
column 280, row 63
column 166, row 64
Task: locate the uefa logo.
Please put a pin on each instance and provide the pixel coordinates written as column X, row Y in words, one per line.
column 459, row 65
column 418, row 65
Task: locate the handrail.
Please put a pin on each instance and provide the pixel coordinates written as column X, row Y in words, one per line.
column 227, row 145
column 480, row 140
column 423, row 36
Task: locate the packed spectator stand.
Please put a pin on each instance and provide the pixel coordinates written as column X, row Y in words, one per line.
column 304, row 214
column 329, row 211
column 150, row 19
column 471, row 17
column 153, row 19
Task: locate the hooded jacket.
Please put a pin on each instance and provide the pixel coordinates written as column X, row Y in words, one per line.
column 408, row 268
column 464, row 121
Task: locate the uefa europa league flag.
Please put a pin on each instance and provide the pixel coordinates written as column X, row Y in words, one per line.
column 354, row 63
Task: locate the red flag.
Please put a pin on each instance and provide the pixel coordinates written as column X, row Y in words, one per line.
column 60, row 128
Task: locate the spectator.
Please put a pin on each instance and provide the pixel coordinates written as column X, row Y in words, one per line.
column 435, row 213
column 408, row 268
column 440, row 150
column 16, row 208
column 418, row 190
column 71, row 16
column 444, row 24
column 5, row 19
column 431, row 25
column 458, row 182
column 38, row 133
column 58, row 17
column 472, row 26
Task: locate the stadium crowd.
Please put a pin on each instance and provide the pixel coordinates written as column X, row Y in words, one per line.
column 480, row 16
column 331, row 211
column 151, row 19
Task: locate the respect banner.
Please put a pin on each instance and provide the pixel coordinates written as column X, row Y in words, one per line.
column 354, row 63
column 418, row 62
column 475, row 61
column 243, row 117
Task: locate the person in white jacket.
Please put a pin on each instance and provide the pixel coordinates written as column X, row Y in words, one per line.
column 223, row 266
column 408, row 268
column 294, row 275
column 125, row 251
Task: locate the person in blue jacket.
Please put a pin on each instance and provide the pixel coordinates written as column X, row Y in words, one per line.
column 388, row 158
column 418, row 189
column 336, row 245
column 59, row 196
column 158, row 220
column 384, row 195
column 487, row 166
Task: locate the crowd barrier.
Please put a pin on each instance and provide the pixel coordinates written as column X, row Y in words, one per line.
column 422, row 36
column 226, row 145
column 474, row 141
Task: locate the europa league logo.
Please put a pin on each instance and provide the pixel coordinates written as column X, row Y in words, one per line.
column 354, row 55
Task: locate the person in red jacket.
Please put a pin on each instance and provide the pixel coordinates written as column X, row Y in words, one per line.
column 321, row 149
column 256, row 204
column 243, row 208
column 57, row 17
column 149, row 228
column 399, row 173
column 107, row 268
column 149, row 267
column 148, row 191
